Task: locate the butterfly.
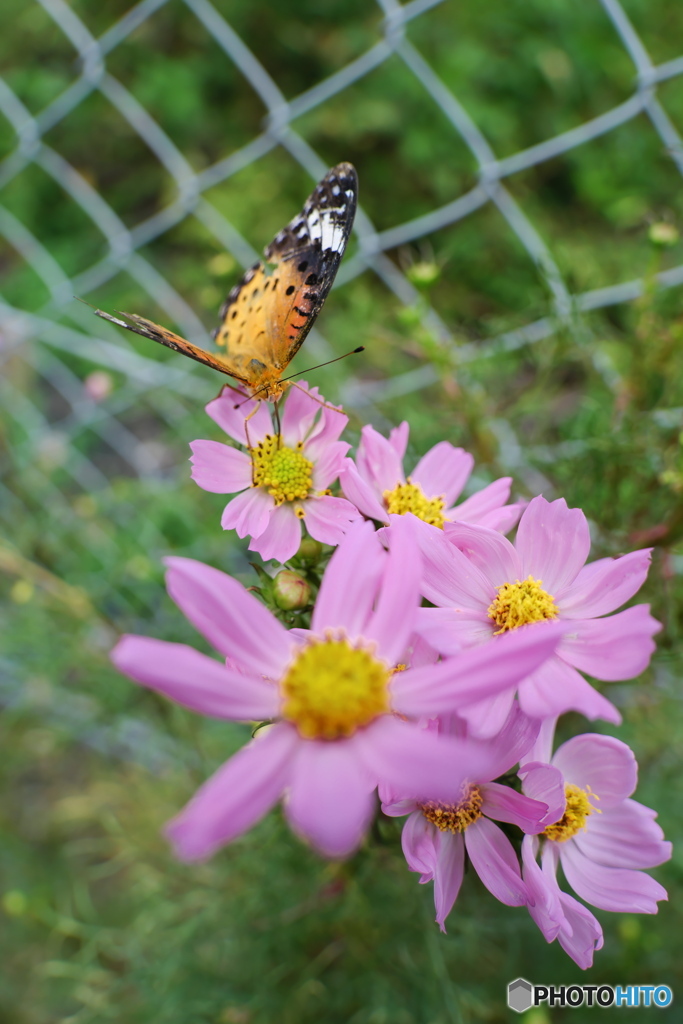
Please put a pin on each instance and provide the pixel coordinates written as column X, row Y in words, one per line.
column 267, row 315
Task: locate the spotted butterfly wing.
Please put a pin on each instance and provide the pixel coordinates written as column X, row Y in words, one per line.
column 267, row 315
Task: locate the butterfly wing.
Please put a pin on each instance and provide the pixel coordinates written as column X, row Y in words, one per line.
column 267, row 315
column 148, row 329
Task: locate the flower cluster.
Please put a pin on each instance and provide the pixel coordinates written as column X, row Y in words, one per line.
column 444, row 711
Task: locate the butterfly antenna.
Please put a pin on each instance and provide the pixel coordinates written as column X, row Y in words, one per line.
column 353, row 352
column 238, row 405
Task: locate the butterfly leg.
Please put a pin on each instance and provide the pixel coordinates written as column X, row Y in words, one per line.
column 325, row 405
column 246, row 431
column 224, row 388
column 246, row 426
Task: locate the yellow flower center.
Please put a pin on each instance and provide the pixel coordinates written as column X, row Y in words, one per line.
column 410, row 497
column 455, row 817
column 332, row 689
column 578, row 808
column 284, row 472
column 519, row 603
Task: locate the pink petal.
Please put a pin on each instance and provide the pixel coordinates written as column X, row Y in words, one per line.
column 326, row 433
column 236, row 796
column 553, row 543
column 219, row 468
column 328, row 519
column 488, row 499
column 443, row 471
column 486, row 718
column 448, row 630
column 419, row 652
column 490, row 552
column 542, row 749
column 474, row 674
column 230, row 618
column 361, row 493
column 557, row 687
column 503, row 804
column 395, row 804
column 502, row 519
column 248, row 513
column 282, row 536
column 392, row 622
column 299, row 413
column 618, row 647
column 603, row 763
column 448, row 876
column 495, row 861
column 415, row 762
column 223, row 412
column 328, row 465
column 351, row 581
column 450, row 579
column 582, row 934
column 619, row 889
column 625, row 836
column 605, row 585
column 544, row 897
column 392, row 807
column 398, row 438
column 331, row 798
column 579, row 933
column 377, row 461
column 194, row 680
column 512, row 743
column 546, row 783
column 419, row 844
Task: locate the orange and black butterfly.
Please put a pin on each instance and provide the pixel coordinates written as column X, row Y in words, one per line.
column 267, row 315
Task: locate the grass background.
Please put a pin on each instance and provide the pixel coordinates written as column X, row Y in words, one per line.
column 99, row 922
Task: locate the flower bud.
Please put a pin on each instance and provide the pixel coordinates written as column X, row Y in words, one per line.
column 423, row 274
column 309, row 551
column 290, row 591
column 663, row 234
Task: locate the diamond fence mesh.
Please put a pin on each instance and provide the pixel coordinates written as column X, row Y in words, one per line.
column 64, row 433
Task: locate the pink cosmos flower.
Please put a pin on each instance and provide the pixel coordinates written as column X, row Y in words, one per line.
column 601, row 838
column 484, row 586
column 283, row 479
column 343, row 718
column 437, row 836
column 378, row 486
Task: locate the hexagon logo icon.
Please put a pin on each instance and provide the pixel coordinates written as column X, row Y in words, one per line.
column 520, row 995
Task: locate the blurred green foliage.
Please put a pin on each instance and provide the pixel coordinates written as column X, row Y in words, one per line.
column 99, row 922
